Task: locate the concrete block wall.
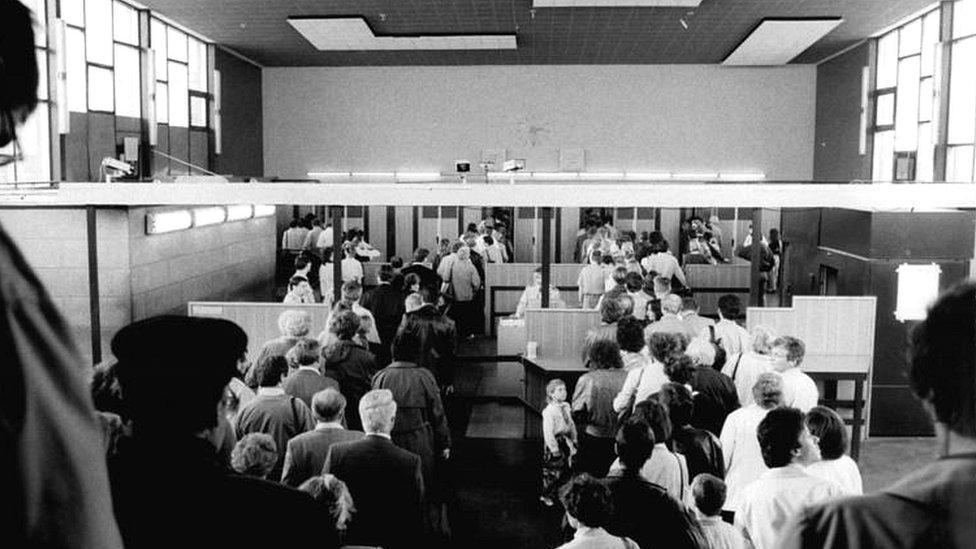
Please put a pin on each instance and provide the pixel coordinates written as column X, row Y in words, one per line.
column 205, row 263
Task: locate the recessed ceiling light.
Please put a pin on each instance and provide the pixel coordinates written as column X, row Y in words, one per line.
column 354, row 34
column 778, row 41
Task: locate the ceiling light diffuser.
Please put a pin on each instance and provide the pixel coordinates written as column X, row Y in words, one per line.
column 778, row 41
column 355, row 34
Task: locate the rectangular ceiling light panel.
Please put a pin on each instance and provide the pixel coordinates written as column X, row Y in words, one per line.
column 616, row 3
column 353, row 34
column 778, row 41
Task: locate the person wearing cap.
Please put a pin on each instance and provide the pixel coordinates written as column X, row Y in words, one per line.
column 168, row 487
column 438, row 336
column 385, row 481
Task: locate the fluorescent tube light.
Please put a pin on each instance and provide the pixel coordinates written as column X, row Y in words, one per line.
column 374, row 175
column 601, row 175
column 647, row 176
column 167, row 222
column 237, row 212
column 264, row 210
column 703, row 176
column 742, row 176
column 330, row 175
column 212, row 215
column 418, row 176
column 554, row 176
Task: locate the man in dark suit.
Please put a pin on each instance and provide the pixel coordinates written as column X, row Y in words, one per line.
column 386, row 303
column 168, row 486
column 306, row 452
column 428, row 277
column 385, row 481
column 438, row 336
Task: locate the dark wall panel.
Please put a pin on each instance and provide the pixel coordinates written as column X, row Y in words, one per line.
column 200, row 149
column 801, row 228
column 897, row 412
column 846, row 230
column 838, row 119
column 241, row 117
column 926, row 235
column 76, row 149
column 179, row 147
column 101, row 140
column 161, row 163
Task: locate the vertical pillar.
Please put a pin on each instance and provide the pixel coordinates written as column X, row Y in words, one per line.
column 93, row 291
column 546, row 254
column 336, row 214
column 755, row 280
column 390, row 231
column 941, row 120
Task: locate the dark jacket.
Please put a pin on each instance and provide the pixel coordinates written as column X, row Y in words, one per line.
column 386, row 303
column 701, row 449
column 281, row 416
column 438, row 341
column 174, row 493
column 644, row 512
column 388, row 490
column 353, row 367
column 715, row 399
column 303, row 384
column 306, row 453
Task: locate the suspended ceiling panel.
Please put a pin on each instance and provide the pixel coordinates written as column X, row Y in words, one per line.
column 707, row 34
column 778, row 41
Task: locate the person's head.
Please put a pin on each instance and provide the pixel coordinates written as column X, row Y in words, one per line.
column 596, row 257
column 464, row 254
column 787, row 352
column 729, row 307
column 294, row 223
column 662, row 285
column 344, row 324
column 413, row 302
column 679, row 401
column 254, row 455
column 270, row 370
column 619, row 276
column 611, row 310
column 609, row 260
column 349, row 248
column 556, row 391
column 680, row 369
column 701, row 352
column 665, row 346
column 709, row 493
column 105, row 390
column 942, row 358
column 406, row 345
column 302, row 263
column 761, row 339
column 328, row 405
column 377, row 409
column 396, row 263
column 712, row 220
column 626, row 304
column 671, row 304
column 18, row 69
column 830, row 431
column 298, row 283
column 767, row 391
column 352, row 291
column 430, row 295
column 660, row 246
column 587, row 502
column 456, row 246
column 604, row 355
column 198, row 355
column 784, row 439
column 304, row 353
column 420, row 255
column 385, row 275
column 630, row 334
column 634, row 444
column 292, row 323
column 332, row 494
column 488, row 240
column 656, row 415
column 411, row 282
column 689, row 305
column 634, row 282
column 773, row 235
column 444, row 245
column 537, row 276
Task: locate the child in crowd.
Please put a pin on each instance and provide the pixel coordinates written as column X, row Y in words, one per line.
column 559, row 435
column 709, row 493
column 591, row 280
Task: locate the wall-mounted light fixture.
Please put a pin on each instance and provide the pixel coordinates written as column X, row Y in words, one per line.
column 918, row 287
column 239, row 212
column 167, row 222
column 264, row 210
column 178, row 220
column 211, row 215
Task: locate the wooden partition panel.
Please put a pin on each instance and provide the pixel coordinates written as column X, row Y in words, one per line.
column 559, row 332
column 506, row 281
column 259, row 320
column 710, row 282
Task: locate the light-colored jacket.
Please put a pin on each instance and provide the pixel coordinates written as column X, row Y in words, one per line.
column 464, row 277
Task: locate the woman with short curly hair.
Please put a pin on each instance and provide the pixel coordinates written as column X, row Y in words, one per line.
column 254, row 455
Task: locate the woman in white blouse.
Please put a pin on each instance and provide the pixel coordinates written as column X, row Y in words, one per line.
column 835, row 465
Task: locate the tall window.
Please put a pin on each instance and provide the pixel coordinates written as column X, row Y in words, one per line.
column 961, row 128
column 905, row 102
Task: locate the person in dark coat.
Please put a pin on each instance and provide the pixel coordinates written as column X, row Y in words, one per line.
column 642, row 510
column 421, row 426
column 438, row 336
column 701, row 449
column 306, row 379
column 306, row 453
column 385, row 301
column 715, row 393
column 168, row 487
column 348, row 363
column 386, row 482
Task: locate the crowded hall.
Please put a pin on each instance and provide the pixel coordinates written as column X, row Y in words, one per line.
column 533, row 274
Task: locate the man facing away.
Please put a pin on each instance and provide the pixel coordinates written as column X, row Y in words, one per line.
column 732, row 337
column 306, row 453
column 386, row 303
column 934, row 505
column 780, row 493
column 799, row 389
column 385, row 481
column 307, row 378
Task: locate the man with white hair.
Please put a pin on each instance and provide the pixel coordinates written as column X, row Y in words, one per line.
column 745, row 369
column 671, row 321
column 385, row 481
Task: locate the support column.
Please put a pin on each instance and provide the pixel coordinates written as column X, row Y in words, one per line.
column 336, row 215
column 755, row 279
column 546, row 254
column 93, row 291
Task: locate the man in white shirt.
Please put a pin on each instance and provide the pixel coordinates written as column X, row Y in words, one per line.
column 733, row 338
column 352, row 269
column 294, row 237
column 799, row 390
column 689, row 314
column 325, row 237
column 671, row 321
column 786, row 488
